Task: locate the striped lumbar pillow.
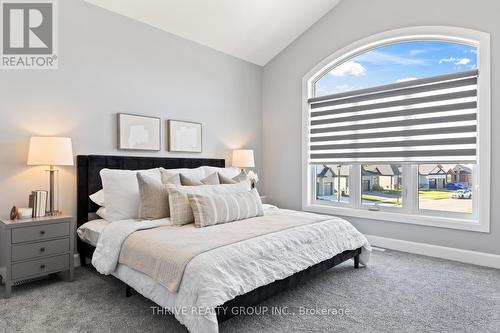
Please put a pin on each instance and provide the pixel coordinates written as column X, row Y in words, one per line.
column 180, row 208
column 221, row 208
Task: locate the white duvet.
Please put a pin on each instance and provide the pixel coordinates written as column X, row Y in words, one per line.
column 219, row 275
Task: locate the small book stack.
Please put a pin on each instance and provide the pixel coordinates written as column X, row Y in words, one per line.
column 38, row 201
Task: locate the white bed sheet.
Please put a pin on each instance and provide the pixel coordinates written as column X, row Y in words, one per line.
column 89, row 232
column 216, row 276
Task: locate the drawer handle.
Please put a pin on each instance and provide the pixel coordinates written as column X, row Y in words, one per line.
column 42, row 266
column 42, row 232
column 42, row 249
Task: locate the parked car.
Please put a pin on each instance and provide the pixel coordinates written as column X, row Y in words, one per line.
column 462, row 194
column 455, row 186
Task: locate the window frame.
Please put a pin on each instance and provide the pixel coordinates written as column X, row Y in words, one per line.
column 409, row 213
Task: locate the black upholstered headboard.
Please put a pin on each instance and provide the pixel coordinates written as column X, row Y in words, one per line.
column 88, row 178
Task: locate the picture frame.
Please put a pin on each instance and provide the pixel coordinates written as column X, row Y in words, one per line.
column 138, row 132
column 184, row 136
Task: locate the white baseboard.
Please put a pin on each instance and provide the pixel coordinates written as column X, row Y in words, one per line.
column 443, row 252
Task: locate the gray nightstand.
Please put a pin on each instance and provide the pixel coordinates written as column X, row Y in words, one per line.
column 35, row 247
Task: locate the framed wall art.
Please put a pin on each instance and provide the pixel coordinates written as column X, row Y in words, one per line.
column 137, row 132
column 184, row 136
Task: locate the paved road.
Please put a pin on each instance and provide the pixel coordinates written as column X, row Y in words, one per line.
column 454, row 205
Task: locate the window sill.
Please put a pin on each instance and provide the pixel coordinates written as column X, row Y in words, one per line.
column 427, row 220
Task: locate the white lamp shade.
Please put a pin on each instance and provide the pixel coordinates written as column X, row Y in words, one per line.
column 243, row 158
column 49, row 151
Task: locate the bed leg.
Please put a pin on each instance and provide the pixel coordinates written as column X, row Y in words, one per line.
column 83, row 260
column 356, row 261
column 128, row 291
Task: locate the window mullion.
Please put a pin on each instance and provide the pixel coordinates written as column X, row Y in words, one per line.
column 410, row 188
column 355, row 190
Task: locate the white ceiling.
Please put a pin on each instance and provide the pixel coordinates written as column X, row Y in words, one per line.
column 253, row 30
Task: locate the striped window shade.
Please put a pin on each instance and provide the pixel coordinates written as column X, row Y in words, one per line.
column 430, row 119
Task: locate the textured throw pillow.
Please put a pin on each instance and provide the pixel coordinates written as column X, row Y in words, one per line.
column 121, row 192
column 241, row 177
column 197, row 174
column 174, row 179
column 154, row 196
column 186, row 181
column 225, row 180
column 222, row 208
column 228, row 172
column 212, row 179
column 180, row 208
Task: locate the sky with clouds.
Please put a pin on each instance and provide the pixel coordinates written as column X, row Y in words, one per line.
column 398, row 63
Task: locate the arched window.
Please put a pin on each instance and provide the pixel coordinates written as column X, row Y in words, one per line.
column 397, row 127
column 398, row 62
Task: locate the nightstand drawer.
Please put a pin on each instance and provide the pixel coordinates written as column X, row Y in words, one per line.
column 40, row 266
column 34, row 250
column 35, row 233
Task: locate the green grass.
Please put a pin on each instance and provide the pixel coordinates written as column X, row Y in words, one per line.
column 434, row 194
column 375, row 198
column 424, row 194
column 393, row 192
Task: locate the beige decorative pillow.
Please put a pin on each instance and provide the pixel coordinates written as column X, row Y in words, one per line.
column 186, row 181
column 198, row 173
column 173, row 180
column 180, row 208
column 222, row 208
column 212, row 179
column 153, row 196
column 225, row 180
column 241, row 177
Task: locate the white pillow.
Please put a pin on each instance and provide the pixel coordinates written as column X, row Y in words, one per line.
column 226, row 172
column 121, row 192
column 98, row 198
column 101, row 212
column 180, row 208
column 196, row 174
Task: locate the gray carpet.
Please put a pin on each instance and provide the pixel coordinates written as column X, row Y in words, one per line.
column 398, row 292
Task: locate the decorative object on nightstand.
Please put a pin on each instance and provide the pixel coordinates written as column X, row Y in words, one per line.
column 38, row 203
column 24, row 213
column 50, row 151
column 264, row 199
column 244, row 158
column 13, row 213
column 35, row 247
column 254, row 178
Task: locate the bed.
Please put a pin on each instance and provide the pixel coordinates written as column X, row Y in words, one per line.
column 230, row 303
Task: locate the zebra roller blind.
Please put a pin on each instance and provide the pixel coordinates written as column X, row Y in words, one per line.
column 430, row 119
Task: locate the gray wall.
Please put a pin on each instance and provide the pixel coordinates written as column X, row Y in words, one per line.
column 109, row 64
column 352, row 20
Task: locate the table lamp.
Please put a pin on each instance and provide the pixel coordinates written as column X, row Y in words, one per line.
column 51, row 152
column 243, row 158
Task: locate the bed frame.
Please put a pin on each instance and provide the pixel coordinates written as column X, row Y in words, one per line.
column 89, row 181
